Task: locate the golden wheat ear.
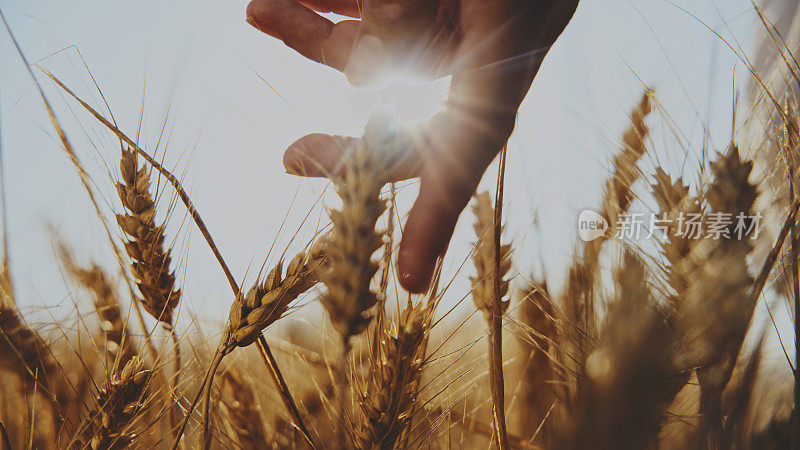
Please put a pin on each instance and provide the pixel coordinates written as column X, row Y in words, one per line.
column 719, row 302
column 113, row 326
column 578, row 297
column 146, row 241
column 627, row 377
column 113, row 424
column 244, row 423
column 387, row 402
column 484, row 257
column 537, row 343
column 24, row 353
column 267, row 301
column 369, row 165
column 675, row 203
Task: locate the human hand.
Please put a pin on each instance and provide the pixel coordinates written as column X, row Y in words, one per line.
column 493, row 50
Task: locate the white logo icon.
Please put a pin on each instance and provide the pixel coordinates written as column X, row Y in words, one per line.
column 591, row 225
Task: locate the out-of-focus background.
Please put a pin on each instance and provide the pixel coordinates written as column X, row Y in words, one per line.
column 221, row 101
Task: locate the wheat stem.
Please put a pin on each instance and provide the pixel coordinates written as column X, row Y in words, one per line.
column 496, row 319
column 283, row 388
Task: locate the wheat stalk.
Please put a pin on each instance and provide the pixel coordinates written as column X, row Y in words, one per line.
column 492, row 263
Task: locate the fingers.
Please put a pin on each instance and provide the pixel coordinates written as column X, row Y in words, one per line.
column 393, row 33
column 310, row 34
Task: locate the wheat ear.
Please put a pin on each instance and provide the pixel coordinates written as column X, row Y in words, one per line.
column 267, row 301
column 368, row 166
column 675, row 202
column 115, row 332
column 250, row 315
column 719, row 302
column 351, row 244
column 538, row 341
column 119, row 403
column 244, row 420
column 387, row 402
column 145, row 246
column 628, row 375
column 484, row 259
column 23, row 352
column 617, row 197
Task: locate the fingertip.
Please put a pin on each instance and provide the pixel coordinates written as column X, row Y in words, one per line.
column 415, row 269
column 253, row 12
column 294, row 163
column 426, row 236
column 260, row 15
column 316, row 155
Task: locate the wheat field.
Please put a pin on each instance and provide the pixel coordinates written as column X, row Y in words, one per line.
column 646, row 346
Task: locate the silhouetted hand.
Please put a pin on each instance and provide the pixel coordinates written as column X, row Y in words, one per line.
column 493, row 49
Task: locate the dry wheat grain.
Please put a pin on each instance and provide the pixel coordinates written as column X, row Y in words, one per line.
column 388, row 400
column 369, row 165
column 115, row 333
column 484, row 259
column 112, row 425
column 146, row 246
column 267, row 301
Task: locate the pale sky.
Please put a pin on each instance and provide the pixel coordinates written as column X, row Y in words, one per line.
column 239, row 97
